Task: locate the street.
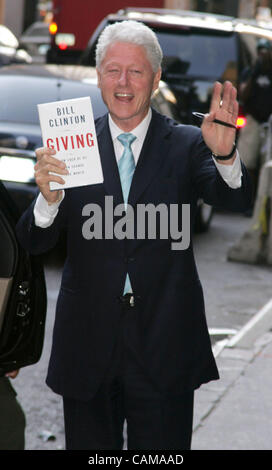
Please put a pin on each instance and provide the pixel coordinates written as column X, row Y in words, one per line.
column 234, row 292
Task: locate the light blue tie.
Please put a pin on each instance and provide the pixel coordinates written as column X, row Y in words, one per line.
column 126, row 167
column 126, row 163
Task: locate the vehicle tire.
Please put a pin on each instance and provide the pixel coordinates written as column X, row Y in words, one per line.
column 203, row 217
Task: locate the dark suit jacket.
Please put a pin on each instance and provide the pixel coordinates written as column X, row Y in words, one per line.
column 167, row 329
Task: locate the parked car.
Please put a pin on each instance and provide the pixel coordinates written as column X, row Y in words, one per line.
column 10, row 52
column 199, row 48
column 21, row 89
column 36, row 40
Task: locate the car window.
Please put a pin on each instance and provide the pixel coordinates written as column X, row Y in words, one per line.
column 192, row 52
column 19, row 96
column 206, row 55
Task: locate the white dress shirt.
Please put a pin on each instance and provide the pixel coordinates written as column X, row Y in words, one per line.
column 45, row 214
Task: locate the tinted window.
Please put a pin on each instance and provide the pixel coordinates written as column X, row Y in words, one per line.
column 203, row 53
column 199, row 54
column 19, row 96
column 249, row 45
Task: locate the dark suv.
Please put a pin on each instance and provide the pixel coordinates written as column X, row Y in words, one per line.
column 198, row 48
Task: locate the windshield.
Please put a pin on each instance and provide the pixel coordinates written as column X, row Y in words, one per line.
column 197, row 54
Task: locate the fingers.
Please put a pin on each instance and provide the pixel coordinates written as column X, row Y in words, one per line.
column 40, row 152
column 209, row 117
column 48, row 164
column 224, row 97
column 229, row 102
column 45, row 156
column 226, row 102
column 216, row 97
column 49, row 169
column 235, row 110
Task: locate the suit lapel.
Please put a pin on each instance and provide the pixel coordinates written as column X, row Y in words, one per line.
column 112, row 182
column 153, row 153
column 155, row 148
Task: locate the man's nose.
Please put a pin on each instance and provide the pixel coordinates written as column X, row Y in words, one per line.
column 123, row 77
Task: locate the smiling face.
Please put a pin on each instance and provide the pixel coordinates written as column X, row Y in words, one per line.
column 126, row 80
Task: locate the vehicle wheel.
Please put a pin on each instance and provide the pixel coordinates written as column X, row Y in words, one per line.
column 203, row 217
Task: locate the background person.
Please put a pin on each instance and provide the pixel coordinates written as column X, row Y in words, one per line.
column 130, row 338
column 256, row 97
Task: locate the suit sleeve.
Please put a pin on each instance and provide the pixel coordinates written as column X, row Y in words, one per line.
column 37, row 240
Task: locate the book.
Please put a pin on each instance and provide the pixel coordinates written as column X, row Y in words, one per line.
column 68, row 127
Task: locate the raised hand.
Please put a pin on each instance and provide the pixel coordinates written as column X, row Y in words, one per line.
column 224, row 107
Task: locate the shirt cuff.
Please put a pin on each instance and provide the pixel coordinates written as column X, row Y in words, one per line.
column 44, row 214
column 231, row 174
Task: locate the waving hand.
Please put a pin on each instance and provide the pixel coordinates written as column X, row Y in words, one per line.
column 224, row 107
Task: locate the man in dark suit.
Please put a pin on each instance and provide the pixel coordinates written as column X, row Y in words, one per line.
column 130, row 338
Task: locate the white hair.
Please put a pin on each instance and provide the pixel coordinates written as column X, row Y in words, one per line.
column 132, row 32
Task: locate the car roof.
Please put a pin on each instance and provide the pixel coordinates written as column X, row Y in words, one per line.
column 39, row 28
column 37, row 25
column 162, row 14
column 27, row 82
column 66, row 72
column 31, row 85
column 174, row 18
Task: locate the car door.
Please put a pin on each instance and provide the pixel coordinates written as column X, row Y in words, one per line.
column 22, row 295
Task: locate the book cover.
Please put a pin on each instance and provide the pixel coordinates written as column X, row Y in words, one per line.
column 68, row 127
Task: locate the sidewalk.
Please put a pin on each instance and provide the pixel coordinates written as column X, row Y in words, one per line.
column 235, row 413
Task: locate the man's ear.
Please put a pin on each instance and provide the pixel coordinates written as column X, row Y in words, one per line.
column 156, row 80
column 98, row 77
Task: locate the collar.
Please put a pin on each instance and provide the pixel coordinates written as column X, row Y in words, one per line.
column 139, row 131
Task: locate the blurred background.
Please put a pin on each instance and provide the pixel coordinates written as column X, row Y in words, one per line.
column 19, row 15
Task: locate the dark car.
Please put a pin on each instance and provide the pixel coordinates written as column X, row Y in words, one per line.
column 21, row 89
column 198, row 48
column 10, row 51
